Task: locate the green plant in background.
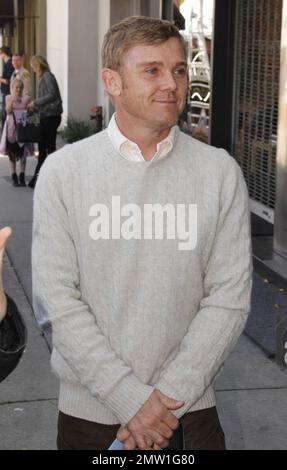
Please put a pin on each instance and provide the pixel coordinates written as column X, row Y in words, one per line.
column 77, row 129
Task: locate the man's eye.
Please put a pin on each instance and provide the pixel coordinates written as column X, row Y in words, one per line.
column 180, row 72
column 152, row 71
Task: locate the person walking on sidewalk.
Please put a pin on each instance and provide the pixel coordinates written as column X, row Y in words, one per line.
column 16, row 107
column 13, row 334
column 141, row 258
column 21, row 72
column 49, row 106
column 8, row 69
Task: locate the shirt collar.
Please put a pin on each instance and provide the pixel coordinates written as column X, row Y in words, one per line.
column 130, row 150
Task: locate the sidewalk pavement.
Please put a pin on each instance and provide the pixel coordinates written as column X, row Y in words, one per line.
column 251, row 391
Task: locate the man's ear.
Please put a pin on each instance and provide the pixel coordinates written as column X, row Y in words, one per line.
column 112, row 82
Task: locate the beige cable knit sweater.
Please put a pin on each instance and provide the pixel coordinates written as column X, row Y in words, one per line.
column 130, row 310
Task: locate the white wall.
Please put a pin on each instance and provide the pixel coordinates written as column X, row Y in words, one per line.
column 75, row 30
column 83, row 57
column 103, row 26
column 57, row 45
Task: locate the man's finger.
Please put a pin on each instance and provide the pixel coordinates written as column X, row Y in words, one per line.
column 140, row 441
column 130, row 443
column 164, row 430
column 171, row 421
column 156, row 447
column 149, row 442
column 123, row 434
column 159, row 440
column 152, row 436
column 170, row 403
column 5, row 233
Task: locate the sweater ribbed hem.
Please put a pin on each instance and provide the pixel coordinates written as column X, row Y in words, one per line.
column 128, row 397
column 75, row 400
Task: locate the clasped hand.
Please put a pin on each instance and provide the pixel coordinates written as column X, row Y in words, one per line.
column 153, row 425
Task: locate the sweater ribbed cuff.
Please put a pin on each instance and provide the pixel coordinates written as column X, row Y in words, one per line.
column 167, row 387
column 206, row 401
column 127, row 398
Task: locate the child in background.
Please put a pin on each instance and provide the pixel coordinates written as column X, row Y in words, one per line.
column 16, row 105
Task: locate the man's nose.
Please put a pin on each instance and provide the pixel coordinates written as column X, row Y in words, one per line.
column 168, row 82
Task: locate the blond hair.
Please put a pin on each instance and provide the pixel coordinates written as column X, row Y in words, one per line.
column 41, row 61
column 19, row 81
column 133, row 31
column 8, row 101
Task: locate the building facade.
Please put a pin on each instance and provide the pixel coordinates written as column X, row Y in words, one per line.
column 248, row 114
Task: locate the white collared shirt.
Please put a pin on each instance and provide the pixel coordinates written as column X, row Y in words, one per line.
column 130, row 150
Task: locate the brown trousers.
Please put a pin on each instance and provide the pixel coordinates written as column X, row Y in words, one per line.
column 202, row 431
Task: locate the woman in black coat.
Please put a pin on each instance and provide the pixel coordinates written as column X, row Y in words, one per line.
column 49, row 106
column 13, row 333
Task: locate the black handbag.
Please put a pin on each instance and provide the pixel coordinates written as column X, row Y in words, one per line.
column 13, row 339
column 29, row 129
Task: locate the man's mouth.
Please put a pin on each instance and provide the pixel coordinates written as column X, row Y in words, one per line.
column 166, row 101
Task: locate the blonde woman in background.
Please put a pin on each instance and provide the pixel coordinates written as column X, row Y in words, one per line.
column 49, row 106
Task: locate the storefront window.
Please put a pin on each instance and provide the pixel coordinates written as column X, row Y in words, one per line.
column 198, row 34
column 257, row 74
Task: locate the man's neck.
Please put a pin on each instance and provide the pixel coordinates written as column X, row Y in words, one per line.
column 147, row 139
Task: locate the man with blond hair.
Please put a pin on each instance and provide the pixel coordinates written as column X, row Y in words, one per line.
column 141, row 259
column 20, row 72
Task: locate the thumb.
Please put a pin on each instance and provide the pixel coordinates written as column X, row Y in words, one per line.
column 170, row 403
column 123, row 433
column 5, row 233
